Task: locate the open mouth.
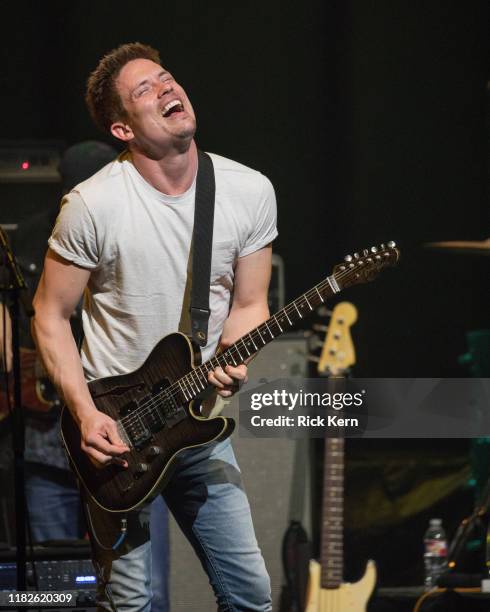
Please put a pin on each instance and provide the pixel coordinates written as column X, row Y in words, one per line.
column 175, row 106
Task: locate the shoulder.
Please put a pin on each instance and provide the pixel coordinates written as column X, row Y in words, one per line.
column 224, row 164
column 233, row 173
column 108, row 181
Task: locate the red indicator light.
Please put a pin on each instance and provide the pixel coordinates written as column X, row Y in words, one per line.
column 25, row 165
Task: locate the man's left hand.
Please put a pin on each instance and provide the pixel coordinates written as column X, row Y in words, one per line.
column 229, row 380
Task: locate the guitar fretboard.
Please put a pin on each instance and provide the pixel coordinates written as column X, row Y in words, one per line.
column 331, row 551
column 195, row 381
column 355, row 270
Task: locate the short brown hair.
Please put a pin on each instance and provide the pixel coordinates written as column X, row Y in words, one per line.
column 102, row 98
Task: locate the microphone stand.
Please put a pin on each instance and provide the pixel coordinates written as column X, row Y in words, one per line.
column 17, row 292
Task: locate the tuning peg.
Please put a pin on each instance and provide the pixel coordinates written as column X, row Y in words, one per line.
column 365, row 252
column 374, row 249
column 314, row 343
column 391, row 244
column 323, row 311
column 348, row 258
column 320, row 328
column 382, row 246
column 356, row 255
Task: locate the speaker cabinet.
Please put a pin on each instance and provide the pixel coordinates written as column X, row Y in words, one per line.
column 275, row 476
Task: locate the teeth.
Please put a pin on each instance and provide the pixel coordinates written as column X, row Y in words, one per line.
column 170, row 105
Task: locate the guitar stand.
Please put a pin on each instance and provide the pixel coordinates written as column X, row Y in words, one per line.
column 480, row 514
column 16, row 290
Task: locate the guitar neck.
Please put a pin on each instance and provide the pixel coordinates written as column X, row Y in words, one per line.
column 196, row 380
column 356, row 269
column 331, row 551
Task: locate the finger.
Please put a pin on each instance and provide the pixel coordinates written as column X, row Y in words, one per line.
column 223, row 377
column 114, row 438
column 225, row 392
column 238, row 373
column 99, row 443
column 99, row 459
column 213, row 379
column 119, row 461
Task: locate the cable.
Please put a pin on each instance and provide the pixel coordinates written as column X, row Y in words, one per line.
column 438, row 591
column 122, row 535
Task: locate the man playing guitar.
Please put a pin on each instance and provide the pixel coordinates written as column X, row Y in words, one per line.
column 123, row 239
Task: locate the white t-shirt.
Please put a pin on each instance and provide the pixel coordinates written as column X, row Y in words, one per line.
column 136, row 242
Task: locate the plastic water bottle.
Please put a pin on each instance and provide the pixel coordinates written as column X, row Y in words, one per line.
column 435, row 554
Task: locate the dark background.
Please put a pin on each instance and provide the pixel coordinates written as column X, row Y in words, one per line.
column 369, row 117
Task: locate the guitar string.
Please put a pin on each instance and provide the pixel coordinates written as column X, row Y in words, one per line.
column 146, row 407
column 175, row 389
column 172, row 392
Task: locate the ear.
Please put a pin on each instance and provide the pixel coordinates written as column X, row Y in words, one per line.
column 122, row 131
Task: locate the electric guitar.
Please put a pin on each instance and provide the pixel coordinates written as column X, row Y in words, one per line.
column 326, row 591
column 156, row 407
column 38, row 393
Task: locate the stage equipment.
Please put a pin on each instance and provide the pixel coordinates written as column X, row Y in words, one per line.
column 64, row 567
column 463, row 247
column 30, row 161
column 327, row 592
column 16, row 290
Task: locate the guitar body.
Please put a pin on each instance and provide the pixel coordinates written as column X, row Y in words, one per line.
column 118, row 489
column 347, row 597
column 38, row 394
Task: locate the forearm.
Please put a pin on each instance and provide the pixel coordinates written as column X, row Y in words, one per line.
column 59, row 354
column 241, row 320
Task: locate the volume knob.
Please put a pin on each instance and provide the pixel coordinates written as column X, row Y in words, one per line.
column 141, row 468
column 153, row 451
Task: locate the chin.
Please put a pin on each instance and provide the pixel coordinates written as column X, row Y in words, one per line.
column 188, row 130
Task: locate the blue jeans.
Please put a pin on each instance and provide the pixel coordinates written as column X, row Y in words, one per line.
column 53, row 503
column 207, row 499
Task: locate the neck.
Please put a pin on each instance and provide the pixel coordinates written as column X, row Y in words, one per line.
column 172, row 174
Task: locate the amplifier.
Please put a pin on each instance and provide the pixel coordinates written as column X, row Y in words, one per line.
column 54, row 571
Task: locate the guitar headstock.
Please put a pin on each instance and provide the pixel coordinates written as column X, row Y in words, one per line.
column 364, row 267
column 338, row 353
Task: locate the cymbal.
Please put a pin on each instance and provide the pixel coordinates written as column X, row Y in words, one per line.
column 464, row 247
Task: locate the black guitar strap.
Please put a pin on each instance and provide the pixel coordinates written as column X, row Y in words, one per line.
column 202, row 241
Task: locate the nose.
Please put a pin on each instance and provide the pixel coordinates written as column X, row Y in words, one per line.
column 164, row 88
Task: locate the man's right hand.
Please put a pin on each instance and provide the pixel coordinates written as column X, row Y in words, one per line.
column 101, row 440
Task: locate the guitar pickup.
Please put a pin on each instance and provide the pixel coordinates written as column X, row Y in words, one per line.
column 134, row 425
column 173, row 413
